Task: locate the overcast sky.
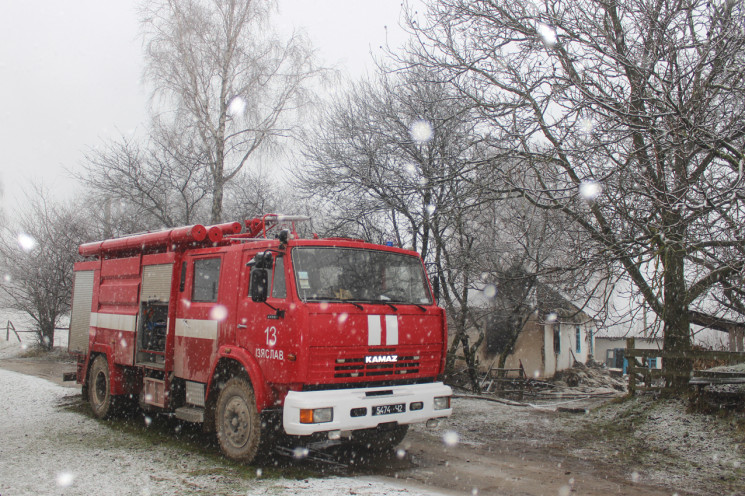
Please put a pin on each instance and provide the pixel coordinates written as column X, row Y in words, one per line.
column 70, row 75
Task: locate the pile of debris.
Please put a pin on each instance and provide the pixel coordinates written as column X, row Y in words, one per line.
column 588, row 378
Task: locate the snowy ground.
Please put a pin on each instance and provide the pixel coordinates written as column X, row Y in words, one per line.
column 48, row 449
column 659, row 442
column 49, row 444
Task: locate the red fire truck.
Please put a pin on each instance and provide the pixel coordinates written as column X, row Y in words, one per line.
column 325, row 338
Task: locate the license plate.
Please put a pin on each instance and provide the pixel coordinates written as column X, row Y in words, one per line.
column 389, row 409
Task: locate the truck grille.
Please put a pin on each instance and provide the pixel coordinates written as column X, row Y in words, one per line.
column 355, row 364
column 356, row 367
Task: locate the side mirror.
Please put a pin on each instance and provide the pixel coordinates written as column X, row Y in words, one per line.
column 261, row 264
column 259, row 284
column 263, row 260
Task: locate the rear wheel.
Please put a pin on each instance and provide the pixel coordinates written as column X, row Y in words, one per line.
column 99, row 388
column 237, row 421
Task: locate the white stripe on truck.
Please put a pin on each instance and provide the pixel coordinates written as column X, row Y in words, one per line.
column 115, row 321
column 195, row 328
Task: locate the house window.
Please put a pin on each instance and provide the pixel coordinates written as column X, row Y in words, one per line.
column 557, row 338
column 652, row 362
column 206, row 279
column 578, row 338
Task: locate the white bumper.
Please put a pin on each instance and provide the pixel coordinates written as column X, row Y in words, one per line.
column 344, row 401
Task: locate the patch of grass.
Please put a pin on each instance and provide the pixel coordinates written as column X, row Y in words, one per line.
column 34, row 351
column 55, row 354
column 140, row 431
column 613, row 425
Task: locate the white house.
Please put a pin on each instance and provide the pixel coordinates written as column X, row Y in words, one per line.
column 555, row 335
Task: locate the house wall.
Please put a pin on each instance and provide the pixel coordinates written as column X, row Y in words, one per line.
column 564, row 359
column 535, row 348
column 603, row 344
column 529, row 350
column 568, row 350
column 483, row 360
column 585, row 332
column 550, row 360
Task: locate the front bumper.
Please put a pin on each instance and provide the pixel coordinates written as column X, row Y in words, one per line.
column 348, row 404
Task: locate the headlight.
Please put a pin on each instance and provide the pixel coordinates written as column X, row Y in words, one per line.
column 316, row 415
column 442, row 402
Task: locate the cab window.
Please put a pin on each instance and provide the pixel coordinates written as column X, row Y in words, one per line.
column 276, row 279
column 279, row 289
column 206, row 279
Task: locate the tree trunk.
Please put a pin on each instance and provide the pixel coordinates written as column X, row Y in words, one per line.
column 217, row 196
column 677, row 335
column 46, row 335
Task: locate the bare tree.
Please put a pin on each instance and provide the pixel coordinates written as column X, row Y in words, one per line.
column 37, row 253
column 229, row 80
column 396, row 160
column 253, row 193
column 161, row 185
column 626, row 117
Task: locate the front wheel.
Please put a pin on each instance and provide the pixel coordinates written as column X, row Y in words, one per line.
column 237, row 421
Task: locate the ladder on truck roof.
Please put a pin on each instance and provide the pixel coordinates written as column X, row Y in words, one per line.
column 195, row 236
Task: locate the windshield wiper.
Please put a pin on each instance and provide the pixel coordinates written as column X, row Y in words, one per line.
column 420, row 307
column 390, row 305
column 340, row 300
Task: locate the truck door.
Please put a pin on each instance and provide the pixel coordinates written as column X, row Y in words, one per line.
column 198, row 315
column 152, row 324
column 262, row 328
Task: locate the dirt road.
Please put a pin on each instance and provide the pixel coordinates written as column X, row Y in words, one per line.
column 484, row 449
column 513, row 470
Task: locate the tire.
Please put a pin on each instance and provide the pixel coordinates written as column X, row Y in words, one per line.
column 381, row 439
column 237, row 421
column 99, row 388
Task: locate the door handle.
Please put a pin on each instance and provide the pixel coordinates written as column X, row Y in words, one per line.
column 242, row 326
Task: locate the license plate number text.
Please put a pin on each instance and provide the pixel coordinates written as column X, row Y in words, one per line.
column 389, row 409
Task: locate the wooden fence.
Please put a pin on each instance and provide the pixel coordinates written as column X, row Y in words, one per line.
column 10, row 327
column 657, row 379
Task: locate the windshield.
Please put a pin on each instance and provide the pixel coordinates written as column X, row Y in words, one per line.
column 328, row 274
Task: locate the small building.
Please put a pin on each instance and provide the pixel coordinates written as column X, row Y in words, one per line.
column 555, row 335
column 610, row 350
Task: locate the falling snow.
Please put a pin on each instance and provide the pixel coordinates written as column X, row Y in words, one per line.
column 547, row 34
column 421, row 131
column 668, row 446
column 490, row 291
column 219, row 313
column 237, row 106
column 26, row 242
column 590, row 190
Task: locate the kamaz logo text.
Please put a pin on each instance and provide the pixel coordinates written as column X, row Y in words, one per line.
column 381, row 359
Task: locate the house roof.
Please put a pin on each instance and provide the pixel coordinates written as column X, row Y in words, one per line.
column 551, row 301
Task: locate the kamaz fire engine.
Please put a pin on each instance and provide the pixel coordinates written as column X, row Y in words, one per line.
column 334, row 339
